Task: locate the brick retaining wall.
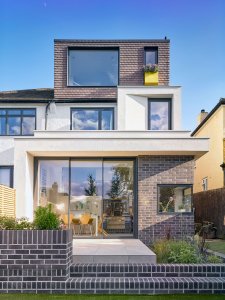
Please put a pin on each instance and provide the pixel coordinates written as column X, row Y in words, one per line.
column 35, row 255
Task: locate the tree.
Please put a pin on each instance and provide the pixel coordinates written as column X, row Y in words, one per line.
column 92, row 189
column 121, row 182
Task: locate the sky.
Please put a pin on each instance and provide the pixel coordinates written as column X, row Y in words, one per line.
column 196, row 29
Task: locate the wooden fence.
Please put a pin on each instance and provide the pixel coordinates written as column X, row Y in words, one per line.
column 210, row 206
column 7, row 201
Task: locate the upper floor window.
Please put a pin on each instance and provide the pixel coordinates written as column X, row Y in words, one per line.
column 92, row 118
column 151, row 56
column 159, row 114
column 6, row 175
column 205, row 184
column 93, row 67
column 15, row 121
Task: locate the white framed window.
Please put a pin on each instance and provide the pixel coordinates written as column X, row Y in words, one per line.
column 205, row 184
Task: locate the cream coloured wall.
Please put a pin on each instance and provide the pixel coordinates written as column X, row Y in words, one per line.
column 209, row 164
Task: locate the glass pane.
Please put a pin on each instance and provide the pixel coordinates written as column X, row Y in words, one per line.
column 28, row 125
column 2, row 112
column 54, row 186
column 5, row 176
column 86, row 197
column 150, row 57
column 159, row 118
column 29, row 112
column 107, row 119
column 2, row 126
column 14, row 125
column 13, row 112
column 118, row 197
column 175, row 199
column 85, row 119
column 93, row 67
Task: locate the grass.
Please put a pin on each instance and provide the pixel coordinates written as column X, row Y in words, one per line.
column 110, row 297
column 217, row 245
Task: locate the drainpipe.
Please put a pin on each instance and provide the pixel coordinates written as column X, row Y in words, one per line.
column 47, row 109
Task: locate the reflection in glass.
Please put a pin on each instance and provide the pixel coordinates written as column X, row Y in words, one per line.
column 2, row 126
column 86, row 197
column 151, row 57
column 93, row 67
column 159, row 115
column 174, row 198
column 14, row 125
column 5, row 176
column 85, row 119
column 17, row 121
column 118, row 197
column 28, row 125
column 54, row 186
column 92, row 119
column 107, row 120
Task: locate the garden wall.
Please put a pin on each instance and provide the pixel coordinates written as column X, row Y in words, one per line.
column 35, row 255
column 210, row 206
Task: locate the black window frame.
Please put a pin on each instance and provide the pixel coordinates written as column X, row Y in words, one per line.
column 155, row 49
column 100, row 110
column 11, row 171
column 187, row 185
column 21, row 116
column 93, row 48
column 167, row 100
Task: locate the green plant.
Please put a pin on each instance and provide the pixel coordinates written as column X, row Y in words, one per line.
column 181, row 206
column 170, row 251
column 45, row 218
column 10, row 223
column 151, row 68
column 184, row 252
column 213, row 259
column 161, row 249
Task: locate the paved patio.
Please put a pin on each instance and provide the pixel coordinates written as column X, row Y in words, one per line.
column 111, row 251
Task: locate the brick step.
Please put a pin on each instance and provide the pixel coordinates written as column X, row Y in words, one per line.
column 112, row 285
column 144, row 285
column 146, row 270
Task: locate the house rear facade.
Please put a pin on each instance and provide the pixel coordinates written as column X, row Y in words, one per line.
column 105, row 147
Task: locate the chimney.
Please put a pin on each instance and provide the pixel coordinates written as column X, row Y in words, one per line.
column 203, row 114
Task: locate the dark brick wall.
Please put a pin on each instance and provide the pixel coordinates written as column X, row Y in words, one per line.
column 131, row 67
column 153, row 170
column 35, row 255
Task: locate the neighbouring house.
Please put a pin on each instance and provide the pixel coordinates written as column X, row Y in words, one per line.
column 209, row 168
column 105, row 146
column 209, row 174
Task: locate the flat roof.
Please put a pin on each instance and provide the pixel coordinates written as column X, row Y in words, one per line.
column 112, row 41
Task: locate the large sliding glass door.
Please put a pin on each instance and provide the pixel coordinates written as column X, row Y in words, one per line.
column 118, row 197
column 95, row 197
column 86, row 197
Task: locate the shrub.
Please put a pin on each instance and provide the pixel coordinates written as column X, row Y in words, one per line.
column 9, row 223
column 184, row 252
column 161, row 249
column 45, row 218
column 177, row 252
column 213, row 259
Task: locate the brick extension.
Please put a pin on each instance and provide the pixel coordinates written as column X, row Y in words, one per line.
column 154, row 170
column 130, row 65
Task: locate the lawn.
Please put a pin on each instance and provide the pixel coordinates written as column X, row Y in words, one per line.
column 111, row 297
column 216, row 245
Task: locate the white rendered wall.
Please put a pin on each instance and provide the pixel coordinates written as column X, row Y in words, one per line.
column 133, row 106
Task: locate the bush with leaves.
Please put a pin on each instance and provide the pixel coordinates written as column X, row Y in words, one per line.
column 10, row 223
column 213, row 259
column 45, row 218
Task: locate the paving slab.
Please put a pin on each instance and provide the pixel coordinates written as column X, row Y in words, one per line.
column 111, row 251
